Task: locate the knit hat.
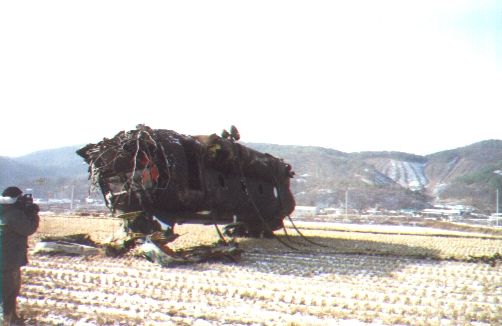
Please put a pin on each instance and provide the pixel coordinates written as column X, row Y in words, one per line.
column 12, row 192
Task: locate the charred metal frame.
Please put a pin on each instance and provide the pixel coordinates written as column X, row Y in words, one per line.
column 191, row 179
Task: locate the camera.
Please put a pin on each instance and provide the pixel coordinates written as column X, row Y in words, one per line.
column 26, row 199
column 26, row 204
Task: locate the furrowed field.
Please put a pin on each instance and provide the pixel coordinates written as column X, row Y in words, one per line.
column 361, row 275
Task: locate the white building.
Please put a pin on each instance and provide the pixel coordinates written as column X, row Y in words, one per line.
column 305, row 211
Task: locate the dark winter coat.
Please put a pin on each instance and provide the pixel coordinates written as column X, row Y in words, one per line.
column 17, row 226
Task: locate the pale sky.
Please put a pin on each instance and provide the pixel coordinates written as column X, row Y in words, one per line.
column 411, row 76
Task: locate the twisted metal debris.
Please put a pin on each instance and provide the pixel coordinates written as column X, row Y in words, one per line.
column 173, row 178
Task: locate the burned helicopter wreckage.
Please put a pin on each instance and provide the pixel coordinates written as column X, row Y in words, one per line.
column 162, row 177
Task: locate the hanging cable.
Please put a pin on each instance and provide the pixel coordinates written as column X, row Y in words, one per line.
column 304, row 237
column 222, row 238
column 293, row 224
column 290, row 238
column 250, row 199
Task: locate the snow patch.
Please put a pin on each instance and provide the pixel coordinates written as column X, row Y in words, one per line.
column 408, row 174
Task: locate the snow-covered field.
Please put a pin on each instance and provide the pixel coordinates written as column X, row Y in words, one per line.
column 358, row 279
column 384, row 228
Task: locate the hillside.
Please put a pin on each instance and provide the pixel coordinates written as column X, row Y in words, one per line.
column 324, row 176
column 12, row 171
column 61, row 162
column 466, row 174
column 391, row 180
column 55, row 173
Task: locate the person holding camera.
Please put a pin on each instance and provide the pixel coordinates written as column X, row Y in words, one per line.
column 19, row 216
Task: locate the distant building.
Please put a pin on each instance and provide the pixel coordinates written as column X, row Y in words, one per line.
column 445, row 212
column 334, row 211
column 305, row 211
column 373, row 212
column 495, row 219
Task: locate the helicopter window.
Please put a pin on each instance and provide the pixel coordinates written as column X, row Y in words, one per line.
column 193, row 170
column 260, row 189
column 221, row 180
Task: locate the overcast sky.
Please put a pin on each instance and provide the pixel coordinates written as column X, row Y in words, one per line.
column 412, row 76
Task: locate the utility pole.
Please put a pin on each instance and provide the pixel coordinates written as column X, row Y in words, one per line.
column 497, row 202
column 497, row 207
column 72, row 196
column 346, row 203
column 498, row 172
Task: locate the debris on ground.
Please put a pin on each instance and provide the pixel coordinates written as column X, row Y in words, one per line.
column 75, row 244
column 152, row 247
column 204, row 253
